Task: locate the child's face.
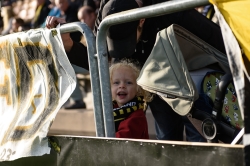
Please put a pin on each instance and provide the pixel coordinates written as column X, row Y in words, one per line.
column 123, row 85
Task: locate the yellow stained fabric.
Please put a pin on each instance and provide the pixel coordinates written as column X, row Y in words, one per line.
column 237, row 15
column 36, row 79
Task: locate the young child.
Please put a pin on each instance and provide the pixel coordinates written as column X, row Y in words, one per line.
column 129, row 101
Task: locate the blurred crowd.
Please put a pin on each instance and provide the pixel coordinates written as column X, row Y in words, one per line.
column 20, row 15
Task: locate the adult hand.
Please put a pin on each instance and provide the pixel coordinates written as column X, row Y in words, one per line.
column 52, row 22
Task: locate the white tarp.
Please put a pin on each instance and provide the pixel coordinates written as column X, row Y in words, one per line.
column 36, row 78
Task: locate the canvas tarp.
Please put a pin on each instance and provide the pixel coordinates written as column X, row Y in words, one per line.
column 36, row 78
column 166, row 71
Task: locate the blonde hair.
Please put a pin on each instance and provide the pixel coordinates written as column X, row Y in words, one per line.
column 147, row 97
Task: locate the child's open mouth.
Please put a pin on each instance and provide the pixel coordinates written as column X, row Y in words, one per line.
column 122, row 94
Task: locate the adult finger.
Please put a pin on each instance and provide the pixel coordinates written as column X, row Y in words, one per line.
column 52, row 22
column 48, row 22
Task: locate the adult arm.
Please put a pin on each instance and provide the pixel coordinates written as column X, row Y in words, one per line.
column 76, row 51
column 78, row 55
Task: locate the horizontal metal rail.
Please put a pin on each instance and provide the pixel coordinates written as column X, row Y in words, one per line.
column 122, row 17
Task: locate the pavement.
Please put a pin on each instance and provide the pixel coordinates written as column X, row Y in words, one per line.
column 80, row 122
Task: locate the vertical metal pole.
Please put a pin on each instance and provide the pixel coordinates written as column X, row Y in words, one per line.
column 105, row 88
column 246, row 137
column 93, row 69
column 122, row 17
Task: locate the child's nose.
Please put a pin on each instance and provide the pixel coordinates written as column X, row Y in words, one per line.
column 122, row 85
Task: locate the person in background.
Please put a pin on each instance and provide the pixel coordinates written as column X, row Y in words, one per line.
column 42, row 11
column 91, row 3
column 127, row 95
column 54, row 11
column 97, row 4
column 68, row 11
column 17, row 25
column 87, row 15
column 7, row 16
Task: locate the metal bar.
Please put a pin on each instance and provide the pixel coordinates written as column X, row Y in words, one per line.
column 238, row 137
column 93, row 69
column 107, row 105
column 246, row 137
column 122, row 17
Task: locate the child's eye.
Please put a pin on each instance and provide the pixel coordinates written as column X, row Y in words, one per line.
column 116, row 82
column 129, row 82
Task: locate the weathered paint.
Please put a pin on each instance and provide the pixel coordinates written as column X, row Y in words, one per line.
column 81, row 151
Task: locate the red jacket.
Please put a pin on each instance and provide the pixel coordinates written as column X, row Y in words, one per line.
column 134, row 126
